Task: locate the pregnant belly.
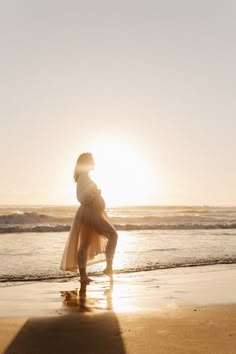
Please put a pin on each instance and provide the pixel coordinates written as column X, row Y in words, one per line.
column 99, row 203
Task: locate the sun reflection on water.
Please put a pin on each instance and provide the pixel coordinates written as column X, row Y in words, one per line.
column 100, row 296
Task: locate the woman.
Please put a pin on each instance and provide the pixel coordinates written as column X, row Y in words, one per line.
column 92, row 236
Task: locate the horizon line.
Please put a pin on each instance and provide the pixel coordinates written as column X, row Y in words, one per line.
column 124, row 205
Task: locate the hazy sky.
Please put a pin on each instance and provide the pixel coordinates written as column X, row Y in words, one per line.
column 159, row 75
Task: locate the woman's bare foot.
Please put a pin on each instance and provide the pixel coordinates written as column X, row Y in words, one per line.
column 86, row 280
column 109, row 268
column 83, row 276
column 108, row 272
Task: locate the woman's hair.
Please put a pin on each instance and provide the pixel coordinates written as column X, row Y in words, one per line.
column 84, row 163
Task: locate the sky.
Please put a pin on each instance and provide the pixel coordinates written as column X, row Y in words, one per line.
column 147, row 86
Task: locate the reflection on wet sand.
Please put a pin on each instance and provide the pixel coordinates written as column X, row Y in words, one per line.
column 78, row 299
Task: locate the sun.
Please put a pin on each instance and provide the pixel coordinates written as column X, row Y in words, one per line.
column 121, row 172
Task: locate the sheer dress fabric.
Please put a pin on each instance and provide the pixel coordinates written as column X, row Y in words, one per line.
column 89, row 228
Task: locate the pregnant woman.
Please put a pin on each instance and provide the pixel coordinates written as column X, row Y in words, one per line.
column 92, row 237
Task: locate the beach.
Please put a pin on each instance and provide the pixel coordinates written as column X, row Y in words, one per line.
column 117, row 148
column 173, row 290
column 182, row 310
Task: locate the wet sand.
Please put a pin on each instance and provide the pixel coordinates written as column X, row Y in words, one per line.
column 169, row 311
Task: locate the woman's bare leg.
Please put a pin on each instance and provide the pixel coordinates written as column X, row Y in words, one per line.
column 83, row 275
column 110, row 251
column 108, row 231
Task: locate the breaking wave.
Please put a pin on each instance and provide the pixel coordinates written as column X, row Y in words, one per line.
column 19, row 222
column 30, row 218
column 120, row 227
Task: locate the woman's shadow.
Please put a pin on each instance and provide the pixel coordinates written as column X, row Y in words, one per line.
column 80, row 330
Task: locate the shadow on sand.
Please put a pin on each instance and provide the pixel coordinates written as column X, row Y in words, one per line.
column 81, row 329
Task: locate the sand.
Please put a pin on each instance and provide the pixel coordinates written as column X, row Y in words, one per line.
column 170, row 311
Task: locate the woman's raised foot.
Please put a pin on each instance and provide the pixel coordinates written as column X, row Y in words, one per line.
column 108, row 272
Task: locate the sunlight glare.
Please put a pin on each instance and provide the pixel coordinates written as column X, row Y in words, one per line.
column 121, row 172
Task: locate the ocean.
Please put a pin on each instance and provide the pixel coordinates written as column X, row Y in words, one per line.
column 32, row 239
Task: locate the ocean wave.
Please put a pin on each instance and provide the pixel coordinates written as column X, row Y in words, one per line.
column 9, row 229
column 33, row 217
column 19, row 218
column 120, row 227
column 64, row 276
column 32, row 221
column 177, row 226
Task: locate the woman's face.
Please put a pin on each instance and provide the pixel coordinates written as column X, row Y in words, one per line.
column 92, row 163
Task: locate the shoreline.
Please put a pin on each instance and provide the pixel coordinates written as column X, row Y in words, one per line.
column 117, row 273
column 200, row 285
column 165, row 311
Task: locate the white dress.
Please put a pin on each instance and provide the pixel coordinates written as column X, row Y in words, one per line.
column 90, row 216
